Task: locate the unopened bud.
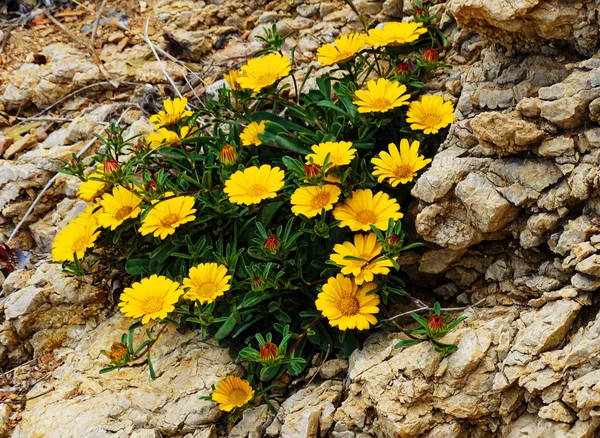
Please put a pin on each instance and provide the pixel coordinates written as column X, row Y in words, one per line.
column 228, row 155
column 312, row 169
column 110, row 166
column 430, row 56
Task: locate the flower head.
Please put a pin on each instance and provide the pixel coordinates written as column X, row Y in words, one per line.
column 110, row 166
column 402, row 67
column 268, row 351
column 166, row 137
column 312, row 170
column 346, row 305
column 92, row 188
column 311, row 200
column 206, row 282
column 430, row 114
column 228, row 155
column 173, row 113
column 79, row 235
column 380, row 96
column 399, row 167
column 364, row 247
column 117, row 207
column 341, row 153
column 118, row 354
column 364, row 209
column 232, row 79
column 151, row 298
column 342, row 50
column 263, row 72
column 254, row 184
column 395, row 34
column 232, row 392
column 165, row 216
column 249, row 135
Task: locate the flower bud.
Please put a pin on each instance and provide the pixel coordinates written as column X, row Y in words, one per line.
column 312, row 170
column 150, row 186
column 436, row 323
column 268, row 351
column 430, row 56
column 271, row 243
column 393, row 239
column 403, row 67
column 421, row 15
column 118, row 353
column 110, row 166
column 228, row 155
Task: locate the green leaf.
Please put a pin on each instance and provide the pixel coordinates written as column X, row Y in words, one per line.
column 437, row 308
column 407, row 343
column 137, row 266
column 151, row 367
column 420, row 320
column 226, row 328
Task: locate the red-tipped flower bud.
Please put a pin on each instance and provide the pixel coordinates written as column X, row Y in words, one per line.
column 268, row 351
column 228, row 155
column 110, row 166
column 430, row 56
column 421, row 13
column 436, row 323
column 312, row 169
column 272, row 243
column 394, row 238
column 402, row 67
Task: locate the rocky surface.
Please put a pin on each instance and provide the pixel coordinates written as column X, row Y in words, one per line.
column 509, row 208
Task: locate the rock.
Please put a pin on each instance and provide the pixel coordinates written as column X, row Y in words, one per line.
column 5, row 142
column 505, row 134
column 488, row 210
column 585, row 282
column 253, row 423
column 557, row 147
column 26, row 142
column 438, row 261
column 333, row 368
column 590, row 266
column 556, row 411
column 5, row 411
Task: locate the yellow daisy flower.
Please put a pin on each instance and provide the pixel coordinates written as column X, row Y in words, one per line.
column 118, row 207
column 206, row 282
column 91, row 212
column 232, row 392
column 430, row 114
column 152, row 298
column 165, row 137
column 395, row 34
column 263, row 72
column 254, row 184
column 380, row 96
column 342, row 50
column 364, row 247
column 79, row 235
column 173, row 113
column 346, row 305
column 167, row 215
column 92, row 188
column 399, row 167
column 341, row 153
column 364, row 209
column 232, row 79
column 310, row 200
column 249, row 136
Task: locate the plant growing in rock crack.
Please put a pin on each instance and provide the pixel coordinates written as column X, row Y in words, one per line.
column 270, row 218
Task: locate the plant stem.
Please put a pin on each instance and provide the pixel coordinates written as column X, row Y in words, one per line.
column 304, row 333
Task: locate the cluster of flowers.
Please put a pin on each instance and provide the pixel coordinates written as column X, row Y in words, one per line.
column 348, row 300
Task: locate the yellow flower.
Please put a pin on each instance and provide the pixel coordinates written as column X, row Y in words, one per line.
column 152, row 298
column 364, row 247
column 249, row 135
column 92, row 188
column 232, row 392
column 346, row 305
column 167, row 215
column 79, row 235
column 364, row 209
column 165, row 137
column 399, row 167
column 254, row 184
column 206, row 282
column 380, row 96
column 340, row 153
column 395, row 34
column 342, row 50
column 232, row 79
column 310, row 200
column 173, row 113
column 264, row 72
column 430, row 114
column 118, row 207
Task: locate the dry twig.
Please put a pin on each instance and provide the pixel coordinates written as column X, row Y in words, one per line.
column 97, row 22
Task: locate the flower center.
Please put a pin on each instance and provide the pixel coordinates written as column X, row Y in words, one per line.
column 257, row 190
column 267, row 79
column 152, row 304
column 207, row 290
column 362, row 265
column 169, row 220
column 238, row 397
column 366, row 217
column 123, row 212
column 319, row 201
column 348, row 306
column 381, row 103
column 431, row 120
column 170, row 119
column 403, row 171
column 80, row 244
